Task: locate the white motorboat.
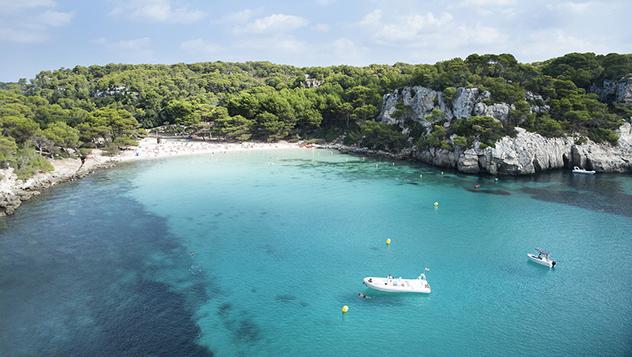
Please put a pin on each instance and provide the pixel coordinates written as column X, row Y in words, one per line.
column 398, row 285
column 577, row 170
column 542, row 258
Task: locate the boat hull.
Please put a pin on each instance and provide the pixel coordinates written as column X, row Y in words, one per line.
column 584, row 172
column 417, row 286
column 546, row 262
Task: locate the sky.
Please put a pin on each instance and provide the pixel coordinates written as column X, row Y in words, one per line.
column 40, row 35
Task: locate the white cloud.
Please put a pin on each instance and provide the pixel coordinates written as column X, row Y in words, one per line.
column 347, row 51
column 480, row 35
column 373, row 18
column 498, row 8
column 22, row 35
column 239, row 17
column 54, row 18
column 280, row 44
column 570, row 7
column 425, row 36
column 276, row 23
column 199, row 46
column 321, row 27
column 547, row 44
column 11, row 6
column 482, row 3
column 30, row 21
column 157, row 11
column 404, row 28
column 325, row 2
column 136, row 44
column 135, row 50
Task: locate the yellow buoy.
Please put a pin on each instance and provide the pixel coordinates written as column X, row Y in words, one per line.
column 388, row 241
column 436, row 204
column 345, row 309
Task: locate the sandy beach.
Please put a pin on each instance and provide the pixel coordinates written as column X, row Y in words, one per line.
column 13, row 191
column 148, row 148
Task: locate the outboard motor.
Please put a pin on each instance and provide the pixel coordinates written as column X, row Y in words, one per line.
column 553, row 264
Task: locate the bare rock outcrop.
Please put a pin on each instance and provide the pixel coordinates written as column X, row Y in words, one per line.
column 529, row 153
column 499, row 111
column 466, row 100
column 615, row 91
column 14, row 191
column 421, row 102
column 526, row 152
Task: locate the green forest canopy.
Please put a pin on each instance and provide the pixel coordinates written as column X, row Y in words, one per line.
column 105, row 106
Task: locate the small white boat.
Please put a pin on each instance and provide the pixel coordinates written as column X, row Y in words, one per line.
column 398, row 285
column 577, row 170
column 542, row 258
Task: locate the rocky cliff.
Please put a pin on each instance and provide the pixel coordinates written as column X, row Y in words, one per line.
column 14, row 191
column 615, row 91
column 526, row 153
column 420, row 102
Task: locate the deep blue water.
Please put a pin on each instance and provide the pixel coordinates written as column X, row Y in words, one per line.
column 255, row 253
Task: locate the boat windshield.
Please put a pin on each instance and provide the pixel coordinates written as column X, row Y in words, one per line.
column 542, row 251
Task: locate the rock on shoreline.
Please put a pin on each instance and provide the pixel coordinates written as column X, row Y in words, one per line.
column 526, row 153
column 529, row 153
column 13, row 191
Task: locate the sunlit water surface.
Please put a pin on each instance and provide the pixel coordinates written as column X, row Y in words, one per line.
column 255, row 253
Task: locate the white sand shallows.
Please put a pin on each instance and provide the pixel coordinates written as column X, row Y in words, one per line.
column 14, row 191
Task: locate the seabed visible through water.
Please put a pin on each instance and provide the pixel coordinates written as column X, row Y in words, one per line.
column 255, row 253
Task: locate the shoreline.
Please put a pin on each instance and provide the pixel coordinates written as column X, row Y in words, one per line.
column 13, row 191
column 526, row 153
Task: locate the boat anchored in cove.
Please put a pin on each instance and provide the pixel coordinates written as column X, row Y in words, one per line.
column 398, row 285
column 577, row 170
column 542, row 258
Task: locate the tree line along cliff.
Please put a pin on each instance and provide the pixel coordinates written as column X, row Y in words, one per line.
column 451, row 105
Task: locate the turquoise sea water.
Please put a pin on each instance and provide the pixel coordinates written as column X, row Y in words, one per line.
column 255, row 253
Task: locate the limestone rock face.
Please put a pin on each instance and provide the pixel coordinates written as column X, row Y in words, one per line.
column 624, row 91
column 499, row 111
column 421, row 100
column 438, row 157
column 468, row 162
column 618, row 91
column 528, row 153
column 606, row 157
column 465, row 100
column 9, row 197
column 537, row 103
